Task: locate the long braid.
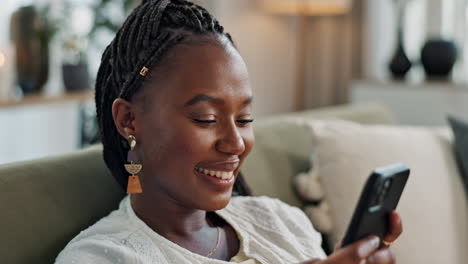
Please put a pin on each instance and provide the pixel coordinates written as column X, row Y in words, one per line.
column 146, row 36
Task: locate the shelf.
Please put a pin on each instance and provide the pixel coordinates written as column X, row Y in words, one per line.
column 40, row 99
column 426, row 85
column 425, row 104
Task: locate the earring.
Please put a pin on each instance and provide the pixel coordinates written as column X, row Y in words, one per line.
column 133, row 185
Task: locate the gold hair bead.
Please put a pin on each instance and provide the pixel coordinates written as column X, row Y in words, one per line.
column 144, row 71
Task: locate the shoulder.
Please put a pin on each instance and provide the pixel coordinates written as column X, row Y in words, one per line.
column 96, row 249
column 118, row 225
column 104, row 242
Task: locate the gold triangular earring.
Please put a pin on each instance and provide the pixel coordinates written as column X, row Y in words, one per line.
column 133, row 185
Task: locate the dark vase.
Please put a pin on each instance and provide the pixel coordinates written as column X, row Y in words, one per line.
column 32, row 52
column 400, row 64
column 438, row 57
column 76, row 77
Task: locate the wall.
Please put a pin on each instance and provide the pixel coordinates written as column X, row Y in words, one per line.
column 267, row 44
column 29, row 132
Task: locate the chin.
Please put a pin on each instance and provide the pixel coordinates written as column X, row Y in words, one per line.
column 217, row 202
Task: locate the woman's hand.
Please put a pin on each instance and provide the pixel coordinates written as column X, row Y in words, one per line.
column 396, row 228
column 366, row 251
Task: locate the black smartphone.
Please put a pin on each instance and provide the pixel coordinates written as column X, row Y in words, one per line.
column 379, row 197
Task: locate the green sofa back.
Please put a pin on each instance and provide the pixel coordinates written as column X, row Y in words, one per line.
column 45, row 203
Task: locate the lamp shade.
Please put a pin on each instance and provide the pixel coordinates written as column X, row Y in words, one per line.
column 2, row 59
column 308, row 7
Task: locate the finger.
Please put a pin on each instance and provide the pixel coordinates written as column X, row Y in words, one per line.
column 383, row 256
column 356, row 252
column 338, row 245
column 395, row 229
column 312, row 261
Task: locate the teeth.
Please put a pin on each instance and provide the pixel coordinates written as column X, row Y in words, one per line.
column 218, row 174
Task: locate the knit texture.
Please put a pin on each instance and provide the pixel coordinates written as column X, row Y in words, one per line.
column 270, row 231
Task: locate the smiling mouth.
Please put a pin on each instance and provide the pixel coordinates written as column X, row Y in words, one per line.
column 224, row 175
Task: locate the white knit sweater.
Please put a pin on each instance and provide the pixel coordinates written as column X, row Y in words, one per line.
column 270, row 231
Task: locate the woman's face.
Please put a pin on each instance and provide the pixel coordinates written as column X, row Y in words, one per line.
column 195, row 130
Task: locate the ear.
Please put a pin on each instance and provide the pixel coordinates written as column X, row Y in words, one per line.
column 124, row 117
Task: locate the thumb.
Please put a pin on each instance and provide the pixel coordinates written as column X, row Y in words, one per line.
column 338, row 245
column 355, row 252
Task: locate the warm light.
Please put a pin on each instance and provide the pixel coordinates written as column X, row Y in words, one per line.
column 308, row 7
column 2, row 59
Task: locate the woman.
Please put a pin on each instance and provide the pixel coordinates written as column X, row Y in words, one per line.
column 173, row 95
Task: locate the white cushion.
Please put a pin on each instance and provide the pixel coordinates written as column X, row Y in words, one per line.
column 433, row 206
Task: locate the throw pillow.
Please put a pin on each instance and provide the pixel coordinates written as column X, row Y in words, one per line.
column 433, row 206
column 460, row 131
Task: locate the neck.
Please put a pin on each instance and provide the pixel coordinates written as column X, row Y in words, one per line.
column 187, row 227
column 167, row 216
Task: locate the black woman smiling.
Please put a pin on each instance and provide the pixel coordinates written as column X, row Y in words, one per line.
column 174, row 105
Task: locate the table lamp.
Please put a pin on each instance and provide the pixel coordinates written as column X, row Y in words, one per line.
column 305, row 9
column 3, row 76
column 308, row 7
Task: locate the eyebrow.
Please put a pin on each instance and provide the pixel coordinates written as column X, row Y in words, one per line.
column 206, row 98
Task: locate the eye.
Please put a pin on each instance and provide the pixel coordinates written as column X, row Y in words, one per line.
column 245, row 121
column 205, row 121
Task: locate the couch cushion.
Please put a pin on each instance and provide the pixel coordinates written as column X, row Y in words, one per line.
column 282, row 147
column 46, row 202
column 433, row 206
column 460, row 130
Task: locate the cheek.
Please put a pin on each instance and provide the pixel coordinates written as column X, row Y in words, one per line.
column 178, row 144
column 192, row 144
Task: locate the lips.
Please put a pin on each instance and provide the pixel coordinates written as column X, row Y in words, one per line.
column 220, row 170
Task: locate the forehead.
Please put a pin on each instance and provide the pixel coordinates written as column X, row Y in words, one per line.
column 215, row 69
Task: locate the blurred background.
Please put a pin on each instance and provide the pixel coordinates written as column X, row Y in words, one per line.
column 301, row 54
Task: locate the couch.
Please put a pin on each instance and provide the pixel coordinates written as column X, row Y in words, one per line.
column 46, row 202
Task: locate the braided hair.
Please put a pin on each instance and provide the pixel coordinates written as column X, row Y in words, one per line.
column 143, row 41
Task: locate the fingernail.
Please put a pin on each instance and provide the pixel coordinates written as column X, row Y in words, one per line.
column 369, row 246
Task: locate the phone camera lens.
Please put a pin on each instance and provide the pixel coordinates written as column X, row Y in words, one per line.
column 387, row 184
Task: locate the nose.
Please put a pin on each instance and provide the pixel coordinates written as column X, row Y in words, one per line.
column 231, row 141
